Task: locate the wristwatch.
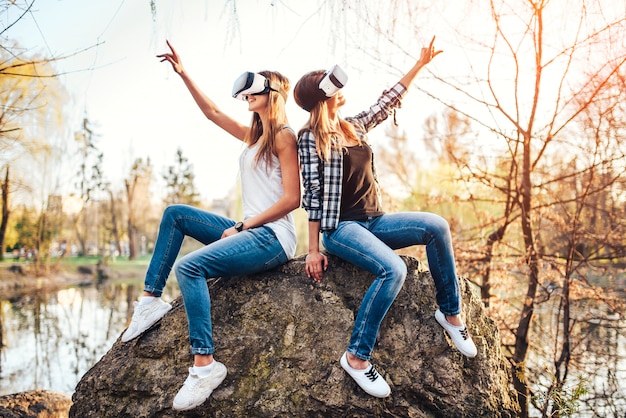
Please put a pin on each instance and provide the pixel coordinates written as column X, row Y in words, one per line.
column 239, row 226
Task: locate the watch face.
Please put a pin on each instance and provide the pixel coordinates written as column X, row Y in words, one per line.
column 239, row 226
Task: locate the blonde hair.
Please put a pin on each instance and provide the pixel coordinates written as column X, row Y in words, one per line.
column 276, row 118
column 306, row 95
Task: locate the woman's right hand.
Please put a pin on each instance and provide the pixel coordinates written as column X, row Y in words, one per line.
column 316, row 264
column 173, row 58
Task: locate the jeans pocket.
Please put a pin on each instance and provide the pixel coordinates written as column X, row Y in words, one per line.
column 279, row 259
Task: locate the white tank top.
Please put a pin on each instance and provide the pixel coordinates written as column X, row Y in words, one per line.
column 261, row 187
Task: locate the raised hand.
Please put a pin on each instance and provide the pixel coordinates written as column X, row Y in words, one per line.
column 428, row 53
column 173, row 58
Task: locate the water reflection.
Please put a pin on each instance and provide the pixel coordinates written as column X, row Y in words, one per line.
column 52, row 338
column 598, row 358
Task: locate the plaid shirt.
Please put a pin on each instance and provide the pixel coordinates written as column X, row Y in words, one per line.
column 322, row 180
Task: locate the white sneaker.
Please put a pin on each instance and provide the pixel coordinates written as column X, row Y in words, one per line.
column 144, row 317
column 459, row 335
column 368, row 379
column 196, row 390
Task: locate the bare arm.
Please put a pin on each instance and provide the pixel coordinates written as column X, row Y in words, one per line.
column 425, row 57
column 206, row 105
column 316, row 262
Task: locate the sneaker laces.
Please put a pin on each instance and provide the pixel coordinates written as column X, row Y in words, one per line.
column 372, row 374
column 464, row 333
column 192, row 380
column 140, row 310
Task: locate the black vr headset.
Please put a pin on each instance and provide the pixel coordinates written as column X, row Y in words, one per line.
column 252, row 84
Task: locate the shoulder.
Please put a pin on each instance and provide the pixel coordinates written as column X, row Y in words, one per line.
column 306, row 135
column 287, row 129
column 359, row 127
column 285, row 138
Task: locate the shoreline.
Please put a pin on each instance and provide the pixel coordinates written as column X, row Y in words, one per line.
column 18, row 279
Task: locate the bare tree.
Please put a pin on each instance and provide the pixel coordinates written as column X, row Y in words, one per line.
column 26, row 103
column 4, row 195
column 89, row 179
column 31, row 102
column 114, row 223
column 137, row 185
column 535, row 89
column 179, row 182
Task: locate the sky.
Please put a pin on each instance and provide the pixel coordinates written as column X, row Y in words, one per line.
column 140, row 108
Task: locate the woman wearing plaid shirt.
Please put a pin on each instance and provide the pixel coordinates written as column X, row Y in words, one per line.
column 342, row 200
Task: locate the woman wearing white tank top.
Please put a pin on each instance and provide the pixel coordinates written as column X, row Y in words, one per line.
column 264, row 239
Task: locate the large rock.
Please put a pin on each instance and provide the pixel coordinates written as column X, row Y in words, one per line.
column 280, row 335
column 35, row 404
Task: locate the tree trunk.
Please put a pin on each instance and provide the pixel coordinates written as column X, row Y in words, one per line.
column 532, row 260
column 132, row 249
column 79, row 233
column 485, row 287
column 5, row 216
column 114, row 230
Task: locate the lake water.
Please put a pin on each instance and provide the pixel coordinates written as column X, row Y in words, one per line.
column 52, row 338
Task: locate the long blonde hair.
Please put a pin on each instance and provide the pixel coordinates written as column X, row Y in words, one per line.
column 307, row 96
column 276, row 118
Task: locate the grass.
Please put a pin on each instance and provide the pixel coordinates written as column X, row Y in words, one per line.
column 71, row 264
column 121, row 264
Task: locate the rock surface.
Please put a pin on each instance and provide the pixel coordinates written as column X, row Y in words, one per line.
column 35, row 404
column 280, row 335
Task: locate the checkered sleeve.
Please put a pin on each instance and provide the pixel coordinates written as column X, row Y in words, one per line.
column 388, row 101
column 310, row 168
column 333, row 174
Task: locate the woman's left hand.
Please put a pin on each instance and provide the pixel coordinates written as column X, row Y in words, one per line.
column 428, row 53
column 230, row 231
column 315, row 265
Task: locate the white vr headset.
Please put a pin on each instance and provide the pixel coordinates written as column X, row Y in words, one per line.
column 250, row 84
column 333, row 81
column 330, row 84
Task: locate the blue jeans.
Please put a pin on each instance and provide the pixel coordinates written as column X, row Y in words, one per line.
column 250, row 251
column 370, row 245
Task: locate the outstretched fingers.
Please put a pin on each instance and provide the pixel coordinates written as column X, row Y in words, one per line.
column 172, row 58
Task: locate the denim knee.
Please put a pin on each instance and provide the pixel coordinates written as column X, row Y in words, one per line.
column 397, row 271
column 440, row 226
column 184, row 269
column 170, row 214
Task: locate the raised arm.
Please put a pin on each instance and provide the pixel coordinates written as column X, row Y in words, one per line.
column 206, row 105
column 426, row 56
column 391, row 99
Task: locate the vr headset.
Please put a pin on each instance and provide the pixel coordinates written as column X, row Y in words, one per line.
column 252, row 84
column 333, row 81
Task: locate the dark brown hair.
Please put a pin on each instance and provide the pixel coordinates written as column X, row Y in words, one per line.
column 310, row 97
